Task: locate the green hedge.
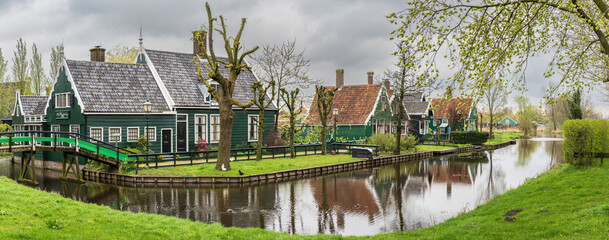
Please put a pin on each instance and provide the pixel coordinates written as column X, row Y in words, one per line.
column 584, row 139
column 469, row 137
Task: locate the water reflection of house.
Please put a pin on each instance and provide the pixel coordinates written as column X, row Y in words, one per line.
column 345, row 194
column 452, row 172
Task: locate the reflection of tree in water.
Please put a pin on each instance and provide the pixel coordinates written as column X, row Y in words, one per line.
column 526, row 148
column 554, row 149
column 495, row 181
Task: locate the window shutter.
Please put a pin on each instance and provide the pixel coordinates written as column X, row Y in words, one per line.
column 71, row 96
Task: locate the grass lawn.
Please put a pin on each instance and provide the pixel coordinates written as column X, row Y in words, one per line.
column 565, row 203
column 501, row 137
column 248, row 167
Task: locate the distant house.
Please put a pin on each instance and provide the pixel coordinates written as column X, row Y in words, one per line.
column 419, row 111
column 508, row 121
column 441, row 108
column 28, row 113
column 362, row 110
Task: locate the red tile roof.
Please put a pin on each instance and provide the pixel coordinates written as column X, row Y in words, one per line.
column 440, row 107
column 354, row 104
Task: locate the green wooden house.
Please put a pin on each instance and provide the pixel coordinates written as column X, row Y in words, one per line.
column 360, row 110
column 441, row 108
column 105, row 101
column 508, row 121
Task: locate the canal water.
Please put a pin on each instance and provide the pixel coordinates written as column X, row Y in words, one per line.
column 391, row 198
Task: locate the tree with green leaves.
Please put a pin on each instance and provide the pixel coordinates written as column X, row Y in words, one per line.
column 39, row 80
column 290, row 99
column 526, row 115
column 260, row 101
column 122, row 54
column 325, row 98
column 499, row 38
column 55, row 61
column 284, row 65
column 575, row 107
column 20, row 68
column 235, row 64
column 3, row 66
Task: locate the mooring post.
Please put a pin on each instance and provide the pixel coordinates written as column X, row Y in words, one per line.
column 10, row 142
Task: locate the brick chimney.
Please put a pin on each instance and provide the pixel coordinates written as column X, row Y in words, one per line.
column 370, row 77
column 340, row 78
column 198, row 37
column 98, row 54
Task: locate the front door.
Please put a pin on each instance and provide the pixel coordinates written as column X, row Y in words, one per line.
column 181, row 133
column 166, row 140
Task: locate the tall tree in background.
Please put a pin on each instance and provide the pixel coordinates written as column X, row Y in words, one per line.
column 494, row 98
column 225, row 99
column 39, row 80
column 290, row 99
column 485, row 38
column 55, row 63
column 325, row 97
column 575, row 107
column 526, row 115
column 3, row 66
column 260, row 93
column 20, row 68
column 285, row 66
column 122, row 54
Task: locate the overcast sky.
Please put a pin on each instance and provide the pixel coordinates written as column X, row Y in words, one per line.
column 347, row 34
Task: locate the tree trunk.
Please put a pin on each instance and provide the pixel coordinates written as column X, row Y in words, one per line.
column 260, row 132
column 398, row 138
column 291, row 137
column 491, row 127
column 323, row 139
column 226, row 133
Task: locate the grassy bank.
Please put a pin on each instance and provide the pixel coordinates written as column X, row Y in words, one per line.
column 249, row 167
column 567, row 203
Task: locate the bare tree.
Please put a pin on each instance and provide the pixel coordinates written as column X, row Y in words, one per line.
column 494, row 98
column 260, row 92
column 325, row 97
column 39, row 80
column 290, row 99
column 236, row 65
column 20, row 67
column 55, row 63
column 284, row 65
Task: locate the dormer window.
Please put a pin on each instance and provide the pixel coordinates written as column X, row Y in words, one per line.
column 63, row 100
column 203, row 88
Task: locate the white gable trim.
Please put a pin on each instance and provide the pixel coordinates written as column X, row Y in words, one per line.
column 64, row 64
column 378, row 98
column 17, row 101
column 158, row 80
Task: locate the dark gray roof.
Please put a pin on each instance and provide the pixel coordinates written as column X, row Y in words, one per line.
column 416, row 107
column 413, row 97
column 178, row 72
column 116, row 87
column 33, row 105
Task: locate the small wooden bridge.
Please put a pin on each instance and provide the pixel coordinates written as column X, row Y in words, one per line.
column 71, row 145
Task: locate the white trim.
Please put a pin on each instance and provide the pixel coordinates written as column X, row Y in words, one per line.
column 102, row 133
column 176, row 127
column 170, row 140
column 378, row 96
column 139, row 113
column 210, row 128
column 158, row 80
column 146, row 132
column 58, row 130
column 71, row 125
column 120, row 134
column 66, row 96
column 206, row 132
column 18, row 100
column 249, row 129
column 137, row 135
column 74, row 88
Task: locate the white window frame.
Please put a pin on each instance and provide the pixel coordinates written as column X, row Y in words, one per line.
column 111, row 138
column 137, row 136
column 96, row 128
column 53, row 130
column 153, row 137
column 74, row 125
column 205, row 133
column 211, row 138
column 249, row 128
column 65, row 96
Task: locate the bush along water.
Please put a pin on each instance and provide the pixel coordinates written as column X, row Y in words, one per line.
column 469, row 137
column 386, row 141
column 584, row 139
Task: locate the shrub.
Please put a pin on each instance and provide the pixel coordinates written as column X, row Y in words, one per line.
column 386, row 141
column 584, row 139
column 469, row 137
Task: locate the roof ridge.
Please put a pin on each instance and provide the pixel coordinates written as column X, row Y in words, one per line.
column 163, row 51
column 85, row 61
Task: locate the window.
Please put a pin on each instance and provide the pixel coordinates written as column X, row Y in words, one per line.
column 54, row 128
column 115, row 134
column 75, row 128
column 214, row 128
column 132, row 134
column 404, row 127
column 97, row 134
column 200, row 127
column 252, row 128
column 150, row 132
column 62, row 100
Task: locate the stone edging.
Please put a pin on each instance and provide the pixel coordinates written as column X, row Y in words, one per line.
column 265, row 178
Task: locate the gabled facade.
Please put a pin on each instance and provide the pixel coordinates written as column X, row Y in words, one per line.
column 28, row 113
column 508, row 121
column 362, row 110
column 441, row 108
column 105, row 101
column 419, row 112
